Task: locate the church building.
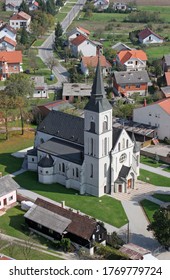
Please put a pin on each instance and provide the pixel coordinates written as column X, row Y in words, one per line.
column 86, row 154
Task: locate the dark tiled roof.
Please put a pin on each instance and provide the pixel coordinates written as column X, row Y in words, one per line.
column 116, row 134
column 133, row 77
column 124, row 172
column 80, row 225
column 65, row 126
column 7, row 185
column 147, row 32
column 32, row 152
column 63, row 149
column 46, row 161
column 98, row 101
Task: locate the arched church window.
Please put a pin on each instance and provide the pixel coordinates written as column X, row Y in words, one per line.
column 123, row 143
column 92, row 126
column 63, row 167
column 105, row 146
column 105, row 170
column 127, row 143
column 59, row 167
column 105, row 123
column 92, row 145
column 119, row 147
column 91, row 170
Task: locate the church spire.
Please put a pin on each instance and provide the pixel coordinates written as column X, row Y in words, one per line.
column 98, row 85
column 98, row 101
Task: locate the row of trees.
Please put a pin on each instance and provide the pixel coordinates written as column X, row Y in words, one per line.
column 14, row 98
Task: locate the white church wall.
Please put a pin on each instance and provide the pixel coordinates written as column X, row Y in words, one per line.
column 32, row 162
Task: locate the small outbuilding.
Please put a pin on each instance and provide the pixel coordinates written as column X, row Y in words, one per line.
column 8, row 192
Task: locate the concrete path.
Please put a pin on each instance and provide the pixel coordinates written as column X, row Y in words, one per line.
column 157, row 170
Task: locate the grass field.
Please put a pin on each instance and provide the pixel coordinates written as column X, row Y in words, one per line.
column 149, row 161
column 149, row 208
column 104, row 208
column 154, row 178
column 9, row 164
column 162, row 197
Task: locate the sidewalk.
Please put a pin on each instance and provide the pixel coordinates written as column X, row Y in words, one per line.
column 157, row 170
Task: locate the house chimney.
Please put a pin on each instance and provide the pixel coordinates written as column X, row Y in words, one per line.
column 144, row 104
column 63, row 204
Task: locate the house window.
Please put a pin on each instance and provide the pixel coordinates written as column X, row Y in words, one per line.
column 138, row 86
column 105, row 170
column 10, row 198
column 15, row 68
column 46, row 172
column 38, row 91
column 50, row 231
column 0, row 203
column 32, row 159
column 100, row 236
column 98, row 228
column 39, row 226
column 91, row 170
column 150, row 114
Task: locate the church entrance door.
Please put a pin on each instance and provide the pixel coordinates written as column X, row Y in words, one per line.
column 120, row 188
column 129, row 183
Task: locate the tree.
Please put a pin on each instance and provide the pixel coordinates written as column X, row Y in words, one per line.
column 161, row 226
column 19, row 87
column 58, row 41
column 32, row 59
column 51, row 63
column 65, row 244
column 59, row 3
column 50, row 6
column 24, row 7
column 6, row 104
column 24, row 36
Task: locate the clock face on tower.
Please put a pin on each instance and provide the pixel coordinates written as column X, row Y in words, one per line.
column 122, row 158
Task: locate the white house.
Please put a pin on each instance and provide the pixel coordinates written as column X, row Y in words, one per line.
column 20, row 20
column 101, row 5
column 132, row 60
column 7, row 44
column 41, row 88
column 147, row 36
column 8, row 195
column 7, row 31
column 34, row 6
column 12, row 5
column 88, row 62
column 156, row 114
column 87, row 154
column 84, row 46
column 75, row 32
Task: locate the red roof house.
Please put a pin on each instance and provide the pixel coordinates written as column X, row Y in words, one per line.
column 132, row 60
column 147, row 36
column 10, row 62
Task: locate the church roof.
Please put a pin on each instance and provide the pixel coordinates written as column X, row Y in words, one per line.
column 62, row 149
column 98, row 101
column 116, row 133
column 124, row 171
column 64, row 126
column 46, row 161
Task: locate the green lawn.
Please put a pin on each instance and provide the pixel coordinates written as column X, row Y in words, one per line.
column 17, row 253
column 154, row 178
column 162, row 197
column 149, row 161
column 149, row 208
column 8, row 163
column 156, row 52
column 104, row 208
column 163, row 10
column 39, row 42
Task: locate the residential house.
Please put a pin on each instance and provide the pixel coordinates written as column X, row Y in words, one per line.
column 56, row 222
column 76, row 32
column 131, row 60
column 7, row 44
column 147, row 36
column 20, row 20
column 167, row 78
column 41, row 88
column 126, row 83
column 166, row 63
column 135, row 252
column 86, row 154
column 165, row 92
column 10, row 62
column 101, row 5
column 84, row 46
column 8, row 193
column 78, row 90
column 7, row 31
column 120, row 47
column 90, row 62
column 33, row 6
column 156, row 114
column 12, row 5
column 120, row 6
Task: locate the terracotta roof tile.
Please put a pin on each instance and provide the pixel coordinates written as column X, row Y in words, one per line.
column 146, row 32
column 78, row 40
column 84, row 30
column 125, row 55
column 93, row 61
column 167, row 77
column 20, row 15
column 11, row 57
column 8, row 40
column 165, row 105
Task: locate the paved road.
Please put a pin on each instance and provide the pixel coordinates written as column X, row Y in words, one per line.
column 157, row 170
column 46, row 49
